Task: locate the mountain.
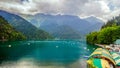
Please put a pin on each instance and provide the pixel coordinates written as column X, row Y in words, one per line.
column 96, row 24
column 51, row 23
column 8, row 33
column 20, row 24
column 66, row 32
column 93, row 20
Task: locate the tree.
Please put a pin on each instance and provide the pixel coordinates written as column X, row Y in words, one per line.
column 92, row 37
column 8, row 33
column 105, row 36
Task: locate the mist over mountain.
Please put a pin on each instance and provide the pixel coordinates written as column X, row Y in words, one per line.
column 93, row 20
column 59, row 26
column 54, row 23
column 22, row 25
column 95, row 24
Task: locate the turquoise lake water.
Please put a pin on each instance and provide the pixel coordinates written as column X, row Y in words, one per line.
column 45, row 54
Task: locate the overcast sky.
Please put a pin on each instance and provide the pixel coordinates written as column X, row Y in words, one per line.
column 104, row 9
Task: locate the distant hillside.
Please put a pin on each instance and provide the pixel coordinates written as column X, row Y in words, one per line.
column 8, row 33
column 20, row 24
column 50, row 23
column 95, row 24
column 93, row 20
column 65, row 32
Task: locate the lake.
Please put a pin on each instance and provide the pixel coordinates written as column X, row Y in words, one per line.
column 45, row 54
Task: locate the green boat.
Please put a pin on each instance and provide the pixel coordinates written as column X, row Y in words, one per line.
column 116, row 57
column 101, row 58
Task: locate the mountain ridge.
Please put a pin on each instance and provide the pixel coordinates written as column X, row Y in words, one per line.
column 25, row 27
column 54, row 23
column 8, row 33
column 81, row 26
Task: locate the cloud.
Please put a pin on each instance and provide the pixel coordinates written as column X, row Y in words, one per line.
column 44, row 6
column 104, row 9
column 95, row 8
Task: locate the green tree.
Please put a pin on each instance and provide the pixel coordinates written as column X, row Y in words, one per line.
column 105, row 36
column 92, row 37
column 108, row 34
column 8, row 33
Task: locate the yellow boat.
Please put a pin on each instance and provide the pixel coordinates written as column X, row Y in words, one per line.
column 101, row 58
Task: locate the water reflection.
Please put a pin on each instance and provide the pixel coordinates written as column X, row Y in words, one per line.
column 31, row 63
column 44, row 54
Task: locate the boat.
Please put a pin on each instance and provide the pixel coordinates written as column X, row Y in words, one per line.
column 101, row 58
column 116, row 57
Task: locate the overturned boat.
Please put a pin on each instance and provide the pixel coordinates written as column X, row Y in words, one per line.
column 116, row 57
column 101, row 58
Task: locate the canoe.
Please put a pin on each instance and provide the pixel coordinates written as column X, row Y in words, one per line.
column 101, row 58
column 116, row 57
column 98, row 63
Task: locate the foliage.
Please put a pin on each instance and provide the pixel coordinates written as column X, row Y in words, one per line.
column 106, row 36
column 30, row 31
column 8, row 33
column 92, row 37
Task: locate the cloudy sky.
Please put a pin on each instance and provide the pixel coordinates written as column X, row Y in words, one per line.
column 104, row 9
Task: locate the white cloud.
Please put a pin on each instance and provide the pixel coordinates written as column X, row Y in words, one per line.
column 100, row 8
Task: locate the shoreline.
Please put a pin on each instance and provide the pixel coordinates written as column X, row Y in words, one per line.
column 101, row 45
